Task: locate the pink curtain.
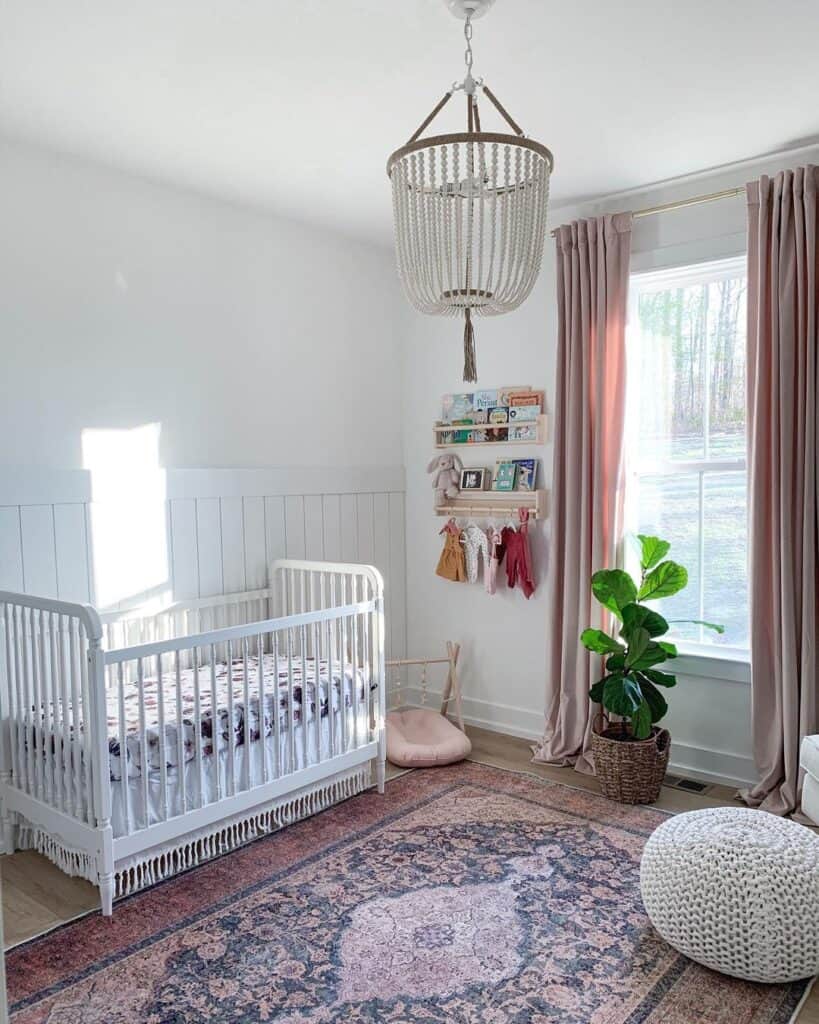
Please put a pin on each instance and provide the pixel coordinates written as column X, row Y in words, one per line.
column 783, row 307
column 587, row 482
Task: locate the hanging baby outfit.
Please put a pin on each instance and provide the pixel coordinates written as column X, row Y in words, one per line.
column 451, row 562
column 476, row 544
column 518, row 557
column 496, row 549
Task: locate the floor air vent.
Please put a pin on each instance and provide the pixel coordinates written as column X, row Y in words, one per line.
column 690, row 785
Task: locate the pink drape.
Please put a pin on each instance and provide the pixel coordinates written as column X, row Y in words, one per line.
column 783, row 308
column 587, row 482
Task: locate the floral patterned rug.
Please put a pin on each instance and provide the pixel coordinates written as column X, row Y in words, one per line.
column 465, row 894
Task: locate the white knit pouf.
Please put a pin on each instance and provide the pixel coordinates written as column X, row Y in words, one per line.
column 736, row 890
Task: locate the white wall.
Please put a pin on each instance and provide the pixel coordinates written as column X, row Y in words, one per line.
column 504, row 636
column 251, row 340
column 145, row 329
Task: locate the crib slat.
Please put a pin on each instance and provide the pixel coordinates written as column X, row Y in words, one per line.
column 48, row 749
column 65, row 683
column 314, row 637
column 366, row 668
column 215, row 728
column 87, row 728
column 247, row 765
column 275, row 718
column 342, row 671
column 291, row 703
column 19, row 717
column 262, row 705
column 143, row 742
column 76, row 720
column 125, row 789
column 354, row 701
column 163, row 757
column 231, row 755
column 331, row 694
column 58, row 709
column 181, row 763
column 305, row 699
column 197, row 724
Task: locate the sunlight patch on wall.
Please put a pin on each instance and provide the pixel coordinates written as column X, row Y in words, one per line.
column 128, row 531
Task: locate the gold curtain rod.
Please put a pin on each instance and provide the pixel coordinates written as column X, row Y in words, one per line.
column 679, row 204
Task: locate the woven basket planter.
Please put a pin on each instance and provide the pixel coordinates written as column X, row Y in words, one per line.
column 630, row 771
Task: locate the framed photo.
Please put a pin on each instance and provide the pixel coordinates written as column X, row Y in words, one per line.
column 527, row 474
column 505, row 475
column 473, row 479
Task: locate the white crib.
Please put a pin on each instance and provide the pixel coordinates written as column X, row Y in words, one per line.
column 138, row 744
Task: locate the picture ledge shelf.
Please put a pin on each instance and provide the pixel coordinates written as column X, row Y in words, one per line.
column 499, row 503
column 449, row 428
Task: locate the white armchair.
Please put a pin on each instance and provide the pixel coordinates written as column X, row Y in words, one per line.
column 809, row 761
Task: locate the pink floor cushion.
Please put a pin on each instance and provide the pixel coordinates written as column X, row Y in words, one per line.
column 421, row 738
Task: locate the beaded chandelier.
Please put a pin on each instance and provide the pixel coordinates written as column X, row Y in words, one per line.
column 469, row 209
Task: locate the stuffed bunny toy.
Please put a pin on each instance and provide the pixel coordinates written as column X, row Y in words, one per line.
column 446, row 476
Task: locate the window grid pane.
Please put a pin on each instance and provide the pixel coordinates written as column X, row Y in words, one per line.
column 686, row 439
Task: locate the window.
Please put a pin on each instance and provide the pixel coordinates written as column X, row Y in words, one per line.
column 685, row 439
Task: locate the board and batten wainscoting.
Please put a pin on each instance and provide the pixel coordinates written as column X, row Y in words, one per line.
column 197, row 532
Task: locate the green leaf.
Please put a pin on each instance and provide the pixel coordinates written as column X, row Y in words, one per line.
column 637, row 615
column 701, row 622
column 596, row 692
column 659, row 678
column 616, row 663
column 641, row 722
column 669, row 648
column 654, row 699
column 614, row 589
column 599, row 642
column 621, row 696
column 668, row 578
column 653, row 550
column 652, row 655
column 638, row 642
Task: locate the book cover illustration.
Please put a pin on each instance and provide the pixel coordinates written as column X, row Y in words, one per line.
column 523, row 432
column 457, row 407
column 526, row 398
column 526, row 474
column 484, row 400
column 497, row 415
column 518, row 413
column 462, row 436
column 505, row 474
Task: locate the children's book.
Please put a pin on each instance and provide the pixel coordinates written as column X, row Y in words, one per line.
column 461, row 436
column 504, row 477
column 457, row 407
column 485, row 400
column 526, row 398
column 523, row 432
column 519, row 413
column 497, row 414
column 526, row 474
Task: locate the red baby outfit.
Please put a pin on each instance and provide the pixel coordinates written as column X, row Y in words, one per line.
column 518, row 557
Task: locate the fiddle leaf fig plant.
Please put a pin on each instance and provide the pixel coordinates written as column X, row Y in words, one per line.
column 630, row 687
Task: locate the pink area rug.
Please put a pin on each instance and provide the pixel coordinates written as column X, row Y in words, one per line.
column 465, row 894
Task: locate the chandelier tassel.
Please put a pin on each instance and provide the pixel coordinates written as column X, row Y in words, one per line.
column 470, row 366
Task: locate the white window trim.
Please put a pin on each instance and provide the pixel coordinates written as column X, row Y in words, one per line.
column 731, row 663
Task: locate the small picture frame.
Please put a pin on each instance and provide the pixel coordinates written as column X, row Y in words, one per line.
column 505, row 475
column 526, row 479
column 473, row 479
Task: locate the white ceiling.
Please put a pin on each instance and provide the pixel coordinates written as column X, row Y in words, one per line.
column 295, row 104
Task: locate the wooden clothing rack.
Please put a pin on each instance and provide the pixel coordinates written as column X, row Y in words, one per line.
column 452, row 686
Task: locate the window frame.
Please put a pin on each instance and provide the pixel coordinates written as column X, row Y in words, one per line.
column 657, row 280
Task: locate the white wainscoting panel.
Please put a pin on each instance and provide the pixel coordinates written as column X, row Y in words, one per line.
column 224, row 527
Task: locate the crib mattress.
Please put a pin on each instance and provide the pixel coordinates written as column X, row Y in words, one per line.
column 142, row 731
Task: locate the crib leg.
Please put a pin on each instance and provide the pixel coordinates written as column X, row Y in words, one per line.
column 107, row 895
column 8, row 834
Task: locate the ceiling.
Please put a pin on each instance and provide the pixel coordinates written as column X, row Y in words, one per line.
column 295, row 104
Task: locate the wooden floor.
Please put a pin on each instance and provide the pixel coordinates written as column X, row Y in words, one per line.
column 37, row 897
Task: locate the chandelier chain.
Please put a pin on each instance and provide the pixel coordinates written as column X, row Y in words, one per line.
column 468, row 38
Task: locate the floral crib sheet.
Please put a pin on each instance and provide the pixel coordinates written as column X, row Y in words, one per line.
column 241, row 721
